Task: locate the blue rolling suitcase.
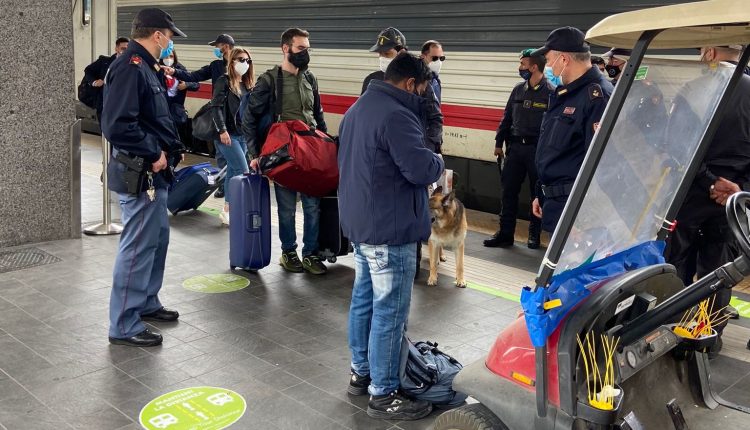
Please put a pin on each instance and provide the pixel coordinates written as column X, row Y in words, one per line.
column 192, row 186
column 249, row 222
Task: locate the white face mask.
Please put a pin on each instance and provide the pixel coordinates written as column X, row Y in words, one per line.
column 241, row 68
column 384, row 62
column 168, row 62
column 435, row 66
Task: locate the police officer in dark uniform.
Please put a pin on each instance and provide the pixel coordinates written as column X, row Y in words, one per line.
column 136, row 121
column 93, row 77
column 572, row 118
column 519, row 130
column 616, row 59
column 389, row 43
column 702, row 240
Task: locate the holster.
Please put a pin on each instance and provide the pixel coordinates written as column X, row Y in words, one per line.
column 135, row 172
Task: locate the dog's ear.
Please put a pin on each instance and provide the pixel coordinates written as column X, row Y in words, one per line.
column 448, row 199
column 437, row 190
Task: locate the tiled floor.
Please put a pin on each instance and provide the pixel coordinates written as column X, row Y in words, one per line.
column 280, row 343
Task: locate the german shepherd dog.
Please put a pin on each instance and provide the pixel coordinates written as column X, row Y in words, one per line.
column 448, row 231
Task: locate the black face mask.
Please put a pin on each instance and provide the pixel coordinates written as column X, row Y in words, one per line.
column 612, row 71
column 299, row 60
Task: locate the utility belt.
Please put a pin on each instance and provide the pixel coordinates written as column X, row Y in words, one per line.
column 521, row 140
column 553, row 191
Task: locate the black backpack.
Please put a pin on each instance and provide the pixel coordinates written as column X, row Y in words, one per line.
column 86, row 93
column 427, row 373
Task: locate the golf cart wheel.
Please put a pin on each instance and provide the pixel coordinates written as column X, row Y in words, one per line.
column 469, row 417
column 332, row 259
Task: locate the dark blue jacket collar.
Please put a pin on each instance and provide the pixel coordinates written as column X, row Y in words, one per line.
column 592, row 75
column 412, row 102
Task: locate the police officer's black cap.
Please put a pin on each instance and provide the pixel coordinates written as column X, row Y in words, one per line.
column 564, row 39
column 156, row 18
column 617, row 52
column 389, row 39
column 223, row 38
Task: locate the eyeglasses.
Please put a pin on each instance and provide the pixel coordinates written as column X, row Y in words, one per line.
column 441, row 58
column 244, row 60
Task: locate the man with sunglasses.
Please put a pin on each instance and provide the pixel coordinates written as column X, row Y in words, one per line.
column 300, row 100
column 136, row 121
column 433, row 57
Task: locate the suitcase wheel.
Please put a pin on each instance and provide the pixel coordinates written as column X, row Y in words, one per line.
column 332, row 259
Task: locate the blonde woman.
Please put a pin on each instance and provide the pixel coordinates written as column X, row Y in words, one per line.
column 228, row 90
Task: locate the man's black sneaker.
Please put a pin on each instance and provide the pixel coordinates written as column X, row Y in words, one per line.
column 499, row 240
column 290, row 261
column 732, row 312
column 358, row 384
column 534, row 242
column 396, row 406
column 219, row 194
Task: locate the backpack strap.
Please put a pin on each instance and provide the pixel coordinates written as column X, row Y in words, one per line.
column 278, row 104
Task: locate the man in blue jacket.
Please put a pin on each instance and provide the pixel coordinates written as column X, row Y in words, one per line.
column 384, row 172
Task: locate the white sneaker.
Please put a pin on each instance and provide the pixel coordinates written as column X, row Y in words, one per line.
column 224, row 215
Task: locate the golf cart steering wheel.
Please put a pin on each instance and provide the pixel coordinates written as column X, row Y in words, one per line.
column 737, row 216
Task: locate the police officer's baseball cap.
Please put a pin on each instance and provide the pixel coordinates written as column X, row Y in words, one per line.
column 389, row 39
column 564, row 39
column 223, row 38
column 529, row 52
column 156, row 18
column 621, row 53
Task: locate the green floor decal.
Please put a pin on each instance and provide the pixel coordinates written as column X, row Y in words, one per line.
column 197, row 408
column 219, row 283
column 742, row 306
column 494, row 292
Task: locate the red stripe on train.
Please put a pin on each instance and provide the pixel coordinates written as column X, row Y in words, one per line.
column 478, row 118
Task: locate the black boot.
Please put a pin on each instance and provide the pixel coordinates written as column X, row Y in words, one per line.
column 499, row 240
column 534, row 235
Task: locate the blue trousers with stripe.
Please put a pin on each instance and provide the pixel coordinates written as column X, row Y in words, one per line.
column 139, row 266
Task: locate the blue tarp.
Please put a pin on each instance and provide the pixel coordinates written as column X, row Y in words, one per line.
column 572, row 285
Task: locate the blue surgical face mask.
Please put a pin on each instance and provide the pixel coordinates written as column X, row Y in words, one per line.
column 166, row 52
column 218, row 53
column 554, row 80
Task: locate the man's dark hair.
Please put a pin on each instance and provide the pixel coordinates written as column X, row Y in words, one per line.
column 539, row 61
column 429, row 44
column 595, row 60
column 121, row 40
column 287, row 37
column 144, row 32
column 407, row 66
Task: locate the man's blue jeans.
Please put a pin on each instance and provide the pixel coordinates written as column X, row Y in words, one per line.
column 236, row 161
column 379, row 309
column 286, row 201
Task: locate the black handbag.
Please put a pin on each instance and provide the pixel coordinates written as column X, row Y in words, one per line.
column 204, row 127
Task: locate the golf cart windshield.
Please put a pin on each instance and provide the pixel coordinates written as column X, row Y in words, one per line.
column 654, row 140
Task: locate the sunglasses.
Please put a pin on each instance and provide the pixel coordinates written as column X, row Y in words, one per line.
column 244, row 60
column 435, row 58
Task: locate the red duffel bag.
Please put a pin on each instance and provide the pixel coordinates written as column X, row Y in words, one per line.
column 300, row 158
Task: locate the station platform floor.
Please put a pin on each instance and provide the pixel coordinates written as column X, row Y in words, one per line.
column 280, row 343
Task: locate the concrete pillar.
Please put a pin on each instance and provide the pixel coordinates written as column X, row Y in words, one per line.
column 39, row 165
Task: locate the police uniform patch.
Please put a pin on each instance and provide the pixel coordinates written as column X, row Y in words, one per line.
column 539, row 105
column 569, row 110
column 136, row 59
column 595, row 91
column 527, row 104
